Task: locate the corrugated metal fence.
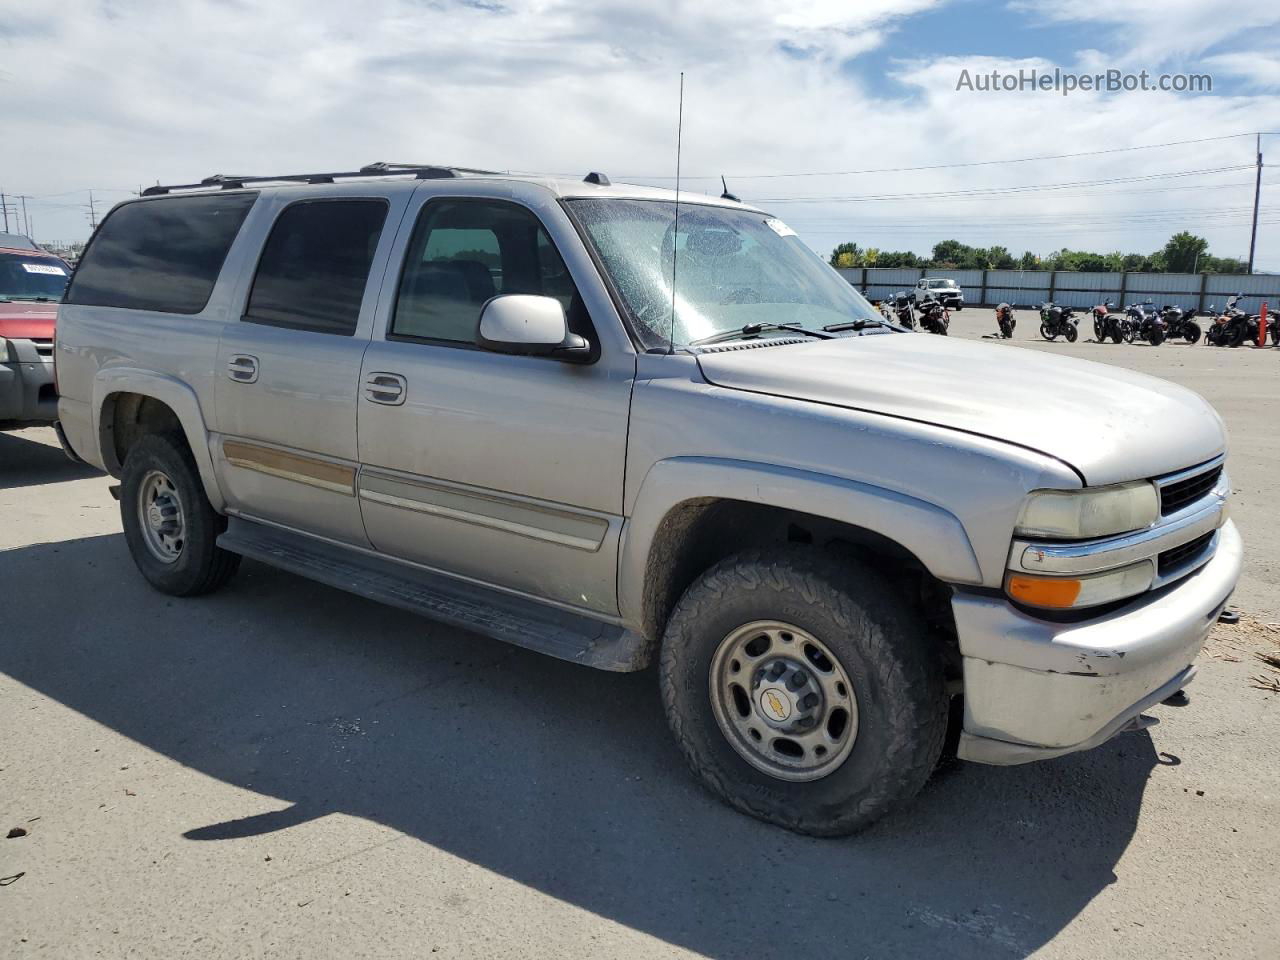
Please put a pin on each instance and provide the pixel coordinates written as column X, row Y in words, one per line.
column 1027, row 288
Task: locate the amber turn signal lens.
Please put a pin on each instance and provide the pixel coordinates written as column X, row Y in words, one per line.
column 1055, row 592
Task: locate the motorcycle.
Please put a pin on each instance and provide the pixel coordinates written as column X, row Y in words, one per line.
column 1005, row 320
column 1144, row 324
column 1058, row 321
column 1232, row 327
column 934, row 316
column 1107, row 325
column 1179, row 323
column 900, row 310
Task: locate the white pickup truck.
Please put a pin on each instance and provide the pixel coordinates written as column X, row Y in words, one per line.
column 939, row 288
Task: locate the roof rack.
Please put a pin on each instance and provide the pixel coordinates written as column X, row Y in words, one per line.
column 420, row 171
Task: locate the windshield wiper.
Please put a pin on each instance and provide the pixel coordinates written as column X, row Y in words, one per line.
column 752, row 329
column 860, row 324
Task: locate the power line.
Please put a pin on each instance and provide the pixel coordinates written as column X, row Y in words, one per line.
column 986, row 192
column 952, row 166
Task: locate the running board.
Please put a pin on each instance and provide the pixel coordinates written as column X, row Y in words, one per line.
column 502, row 616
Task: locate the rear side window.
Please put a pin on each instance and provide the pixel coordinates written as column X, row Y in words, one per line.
column 315, row 266
column 160, row 254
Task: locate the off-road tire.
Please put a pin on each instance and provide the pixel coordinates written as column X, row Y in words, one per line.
column 881, row 641
column 203, row 566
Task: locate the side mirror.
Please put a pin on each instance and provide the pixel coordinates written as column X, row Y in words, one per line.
column 528, row 325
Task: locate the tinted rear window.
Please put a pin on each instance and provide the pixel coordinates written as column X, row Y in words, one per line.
column 160, row 254
column 315, row 266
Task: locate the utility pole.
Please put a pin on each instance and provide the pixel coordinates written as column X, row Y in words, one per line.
column 4, row 207
column 93, row 213
column 26, row 223
column 1257, row 193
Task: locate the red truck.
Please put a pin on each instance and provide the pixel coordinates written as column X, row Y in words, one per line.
column 31, row 286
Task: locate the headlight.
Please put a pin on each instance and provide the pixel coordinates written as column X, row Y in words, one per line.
column 1066, row 593
column 1089, row 513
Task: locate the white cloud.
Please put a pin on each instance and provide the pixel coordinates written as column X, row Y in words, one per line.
column 114, row 96
column 1260, row 69
column 1161, row 31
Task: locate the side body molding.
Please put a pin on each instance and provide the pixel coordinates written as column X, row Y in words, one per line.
column 934, row 536
column 175, row 394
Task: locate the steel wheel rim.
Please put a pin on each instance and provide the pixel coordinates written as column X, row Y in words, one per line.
column 160, row 517
column 783, row 700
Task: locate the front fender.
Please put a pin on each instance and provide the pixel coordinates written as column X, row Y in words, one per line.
column 935, row 537
column 175, row 394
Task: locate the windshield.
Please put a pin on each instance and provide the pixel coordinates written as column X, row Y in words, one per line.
column 32, row 278
column 733, row 269
column 941, row 284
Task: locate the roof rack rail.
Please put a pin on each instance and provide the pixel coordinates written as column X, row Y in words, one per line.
column 422, row 171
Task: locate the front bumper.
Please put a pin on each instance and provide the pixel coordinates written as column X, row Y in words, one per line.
column 26, row 383
column 1035, row 689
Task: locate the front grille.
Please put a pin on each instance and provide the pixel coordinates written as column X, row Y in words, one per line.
column 1177, row 495
column 1171, row 560
column 43, row 347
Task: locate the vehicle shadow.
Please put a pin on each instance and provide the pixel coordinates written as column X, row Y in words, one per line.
column 29, row 463
column 556, row 776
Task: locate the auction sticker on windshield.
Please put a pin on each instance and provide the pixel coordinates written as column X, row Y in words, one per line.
column 780, row 228
column 46, row 268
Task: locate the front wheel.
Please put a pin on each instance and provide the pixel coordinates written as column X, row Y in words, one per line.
column 169, row 524
column 1071, row 333
column 803, row 690
column 1047, row 333
column 1156, row 338
column 1191, row 332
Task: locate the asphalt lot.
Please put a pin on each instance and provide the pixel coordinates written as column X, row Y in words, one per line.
column 283, row 770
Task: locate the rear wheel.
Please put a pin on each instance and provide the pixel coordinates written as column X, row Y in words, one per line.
column 802, row 690
column 169, row 524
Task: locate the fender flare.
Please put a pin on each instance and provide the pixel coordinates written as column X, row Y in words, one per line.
column 934, row 536
column 175, row 394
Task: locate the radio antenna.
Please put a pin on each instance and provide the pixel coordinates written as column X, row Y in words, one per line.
column 675, row 233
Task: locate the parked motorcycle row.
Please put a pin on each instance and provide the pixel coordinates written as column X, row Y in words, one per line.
column 902, row 308
column 1143, row 322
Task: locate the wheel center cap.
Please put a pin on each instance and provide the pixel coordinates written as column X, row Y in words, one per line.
column 154, row 517
column 775, row 704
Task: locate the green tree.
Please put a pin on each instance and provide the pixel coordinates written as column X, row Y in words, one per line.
column 897, row 258
column 949, row 253
column 845, row 255
column 1183, row 252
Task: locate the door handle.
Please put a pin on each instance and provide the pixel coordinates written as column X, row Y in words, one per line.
column 387, row 388
column 242, row 368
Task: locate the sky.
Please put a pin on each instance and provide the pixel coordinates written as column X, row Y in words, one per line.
column 112, row 95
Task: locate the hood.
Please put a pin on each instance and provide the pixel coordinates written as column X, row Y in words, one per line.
column 1108, row 423
column 27, row 320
